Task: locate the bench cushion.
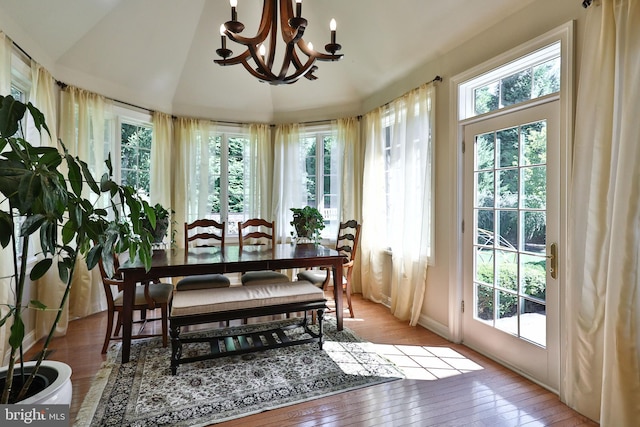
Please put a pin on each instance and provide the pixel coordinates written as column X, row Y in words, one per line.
column 204, row 301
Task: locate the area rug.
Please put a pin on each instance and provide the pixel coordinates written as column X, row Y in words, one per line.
column 143, row 392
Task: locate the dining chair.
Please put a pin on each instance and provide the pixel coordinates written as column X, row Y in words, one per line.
column 148, row 296
column 204, row 233
column 258, row 231
column 346, row 245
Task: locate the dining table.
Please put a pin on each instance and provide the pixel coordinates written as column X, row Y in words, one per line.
column 179, row 262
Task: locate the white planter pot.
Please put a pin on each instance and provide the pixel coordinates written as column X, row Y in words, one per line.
column 59, row 390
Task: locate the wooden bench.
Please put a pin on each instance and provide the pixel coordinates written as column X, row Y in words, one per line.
column 194, row 307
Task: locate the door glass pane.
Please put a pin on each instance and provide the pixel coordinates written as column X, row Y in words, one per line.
column 485, row 194
column 510, row 227
column 533, row 321
column 507, row 312
column 484, row 303
column 485, row 151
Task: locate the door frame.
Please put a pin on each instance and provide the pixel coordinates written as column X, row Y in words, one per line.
column 564, row 34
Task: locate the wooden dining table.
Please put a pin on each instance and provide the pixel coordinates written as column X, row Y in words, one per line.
column 228, row 259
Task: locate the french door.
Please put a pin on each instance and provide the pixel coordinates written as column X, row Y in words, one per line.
column 511, row 218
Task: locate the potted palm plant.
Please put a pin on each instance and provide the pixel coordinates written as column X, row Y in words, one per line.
column 308, row 222
column 44, row 187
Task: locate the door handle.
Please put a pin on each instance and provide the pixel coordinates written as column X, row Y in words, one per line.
column 553, row 261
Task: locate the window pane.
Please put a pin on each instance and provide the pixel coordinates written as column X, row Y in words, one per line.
column 533, row 321
column 135, row 151
column 507, row 142
column 486, row 193
column 485, row 146
column 486, row 98
column 546, row 78
column 485, row 303
column 507, row 188
column 516, row 88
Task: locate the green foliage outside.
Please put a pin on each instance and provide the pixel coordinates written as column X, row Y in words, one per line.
column 534, row 285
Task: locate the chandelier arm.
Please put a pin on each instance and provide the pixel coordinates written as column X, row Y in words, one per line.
column 235, row 60
column 266, row 22
column 286, row 61
column 318, row 55
column 301, row 69
column 289, row 33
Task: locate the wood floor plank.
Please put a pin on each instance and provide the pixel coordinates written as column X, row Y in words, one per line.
column 490, row 396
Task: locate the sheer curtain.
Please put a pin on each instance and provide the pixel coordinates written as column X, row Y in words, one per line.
column 6, row 254
column 161, row 160
column 398, row 198
column 192, row 183
column 350, row 174
column 602, row 358
column 258, row 182
column 83, row 120
column 288, row 184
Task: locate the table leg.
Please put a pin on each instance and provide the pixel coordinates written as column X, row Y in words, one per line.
column 128, row 297
column 337, row 293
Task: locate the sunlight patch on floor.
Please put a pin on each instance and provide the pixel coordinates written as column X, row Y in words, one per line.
column 426, row 363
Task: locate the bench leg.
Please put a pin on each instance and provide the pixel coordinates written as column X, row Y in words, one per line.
column 320, row 333
column 176, row 349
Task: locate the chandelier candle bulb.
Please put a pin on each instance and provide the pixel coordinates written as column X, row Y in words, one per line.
column 310, row 46
column 223, row 37
column 234, row 13
column 298, row 8
column 332, row 27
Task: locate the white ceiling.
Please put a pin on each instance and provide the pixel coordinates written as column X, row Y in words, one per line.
column 158, row 54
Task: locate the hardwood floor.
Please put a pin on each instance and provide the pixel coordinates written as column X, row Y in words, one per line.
column 446, row 385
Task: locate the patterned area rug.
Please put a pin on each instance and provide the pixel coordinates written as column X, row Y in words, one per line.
column 143, row 392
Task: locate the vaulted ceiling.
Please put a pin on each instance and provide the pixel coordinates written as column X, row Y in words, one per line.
column 158, row 54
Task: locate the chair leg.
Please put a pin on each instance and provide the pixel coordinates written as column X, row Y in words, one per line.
column 118, row 324
column 348, row 292
column 107, row 336
column 165, row 325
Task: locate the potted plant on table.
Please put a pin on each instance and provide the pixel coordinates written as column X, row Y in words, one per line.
column 308, row 222
column 44, row 187
column 156, row 219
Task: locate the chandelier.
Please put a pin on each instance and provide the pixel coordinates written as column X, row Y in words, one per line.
column 258, row 59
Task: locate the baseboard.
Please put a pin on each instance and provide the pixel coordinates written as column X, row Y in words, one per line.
column 434, row 326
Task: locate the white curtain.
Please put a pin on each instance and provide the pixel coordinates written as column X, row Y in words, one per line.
column 162, row 161
column 398, row 199
column 351, row 170
column 192, row 185
column 288, row 184
column 83, row 117
column 258, row 182
column 6, row 254
column 42, row 95
column 602, row 358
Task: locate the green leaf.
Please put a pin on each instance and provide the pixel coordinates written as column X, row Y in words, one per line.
column 63, row 271
column 17, row 331
column 75, row 176
column 28, row 189
column 11, row 113
column 40, row 268
column 31, row 224
column 37, row 305
column 89, row 177
column 93, row 256
column 6, row 228
column 38, row 119
column 68, row 231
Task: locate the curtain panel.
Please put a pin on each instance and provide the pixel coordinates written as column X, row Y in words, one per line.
column 288, row 185
column 7, row 286
column 398, row 198
column 601, row 376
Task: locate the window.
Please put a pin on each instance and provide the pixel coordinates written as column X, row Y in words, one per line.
column 320, row 154
column 529, row 77
column 135, row 155
column 221, row 179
